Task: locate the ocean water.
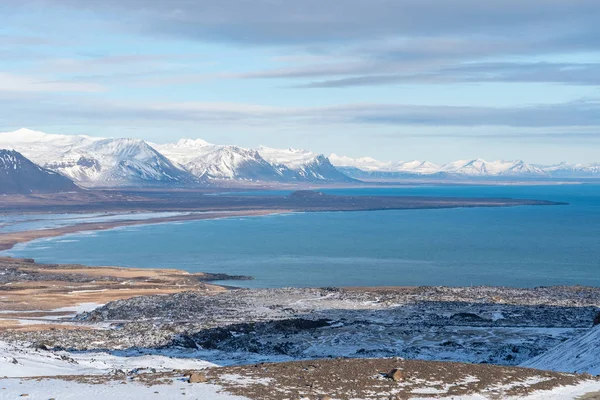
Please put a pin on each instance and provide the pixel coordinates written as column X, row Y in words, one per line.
column 519, row 246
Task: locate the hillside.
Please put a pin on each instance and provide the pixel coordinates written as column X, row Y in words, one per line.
column 18, row 175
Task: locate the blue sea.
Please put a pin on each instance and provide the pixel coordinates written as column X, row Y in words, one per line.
column 519, row 246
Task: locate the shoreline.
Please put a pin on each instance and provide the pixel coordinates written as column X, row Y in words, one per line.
column 11, row 239
column 71, row 323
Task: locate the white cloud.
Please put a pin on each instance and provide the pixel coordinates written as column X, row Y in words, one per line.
column 24, row 83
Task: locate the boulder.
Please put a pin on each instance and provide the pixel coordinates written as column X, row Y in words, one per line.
column 396, row 375
column 197, row 377
column 597, row 319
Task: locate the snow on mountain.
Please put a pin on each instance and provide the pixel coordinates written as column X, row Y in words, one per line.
column 480, row 167
column 302, row 165
column 94, row 161
column 219, row 162
column 18, row 175
column 565, row 170
column 476, row 168
column 41, row 147
column 578, row 354
column 292, row 158
column 417, row 167
column 97, row 161
column 369, row 164
column 363, row 163
column 121, row 162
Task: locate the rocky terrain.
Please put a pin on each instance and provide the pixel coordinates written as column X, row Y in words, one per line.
column 340, row 379
column 477, row 325
column 156, row 323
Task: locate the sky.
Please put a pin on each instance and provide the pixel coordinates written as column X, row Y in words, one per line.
column 435, row 80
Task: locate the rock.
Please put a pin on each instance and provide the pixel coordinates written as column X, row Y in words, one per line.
column 325, row 398
column 597, row 319
column 24, row 395
column 396, row 375
column 197, row 377
column 14, row 361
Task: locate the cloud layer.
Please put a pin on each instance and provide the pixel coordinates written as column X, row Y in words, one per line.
column 462, row 69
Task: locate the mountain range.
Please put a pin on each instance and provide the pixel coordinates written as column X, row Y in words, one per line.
column 100, row 162
column 369, row 168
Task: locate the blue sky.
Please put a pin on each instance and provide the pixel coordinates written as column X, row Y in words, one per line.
column 437, row 80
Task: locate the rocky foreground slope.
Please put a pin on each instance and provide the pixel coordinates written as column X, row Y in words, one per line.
column 289, row 343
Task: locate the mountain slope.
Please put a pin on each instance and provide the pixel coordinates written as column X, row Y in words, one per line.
column 18, row 175
column 302, row 165
column 120, row 162
column 574, row 355
column 97, row 162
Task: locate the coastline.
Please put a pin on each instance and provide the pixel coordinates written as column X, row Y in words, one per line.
column 111, row 326
column 9, row 240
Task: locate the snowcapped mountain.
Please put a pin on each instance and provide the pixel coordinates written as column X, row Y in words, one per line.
column 18, row 175
column 417, row 167
column 226, row 162
column 564, row 169
column 302, row 165
column 363, row 163
column 97, row 162
column 119, row 162
column 480, row 167
column 217, row 162
column 370, row 168
column 369, row 164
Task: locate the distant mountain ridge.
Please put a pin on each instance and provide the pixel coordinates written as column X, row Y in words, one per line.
column 227, row 162
column 101, row 162
column 366, row 167
column 18, row 175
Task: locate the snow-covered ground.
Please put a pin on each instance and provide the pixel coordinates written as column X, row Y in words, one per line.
column 243, row 327
column 178, row 388
column 23, row 360
column 131, row 390
column 579, row 354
